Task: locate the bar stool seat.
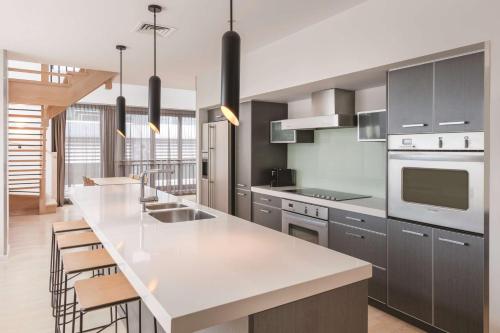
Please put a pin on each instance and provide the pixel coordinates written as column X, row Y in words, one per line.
column 104, row 291
column 76, row 262
column 66, row 226
column 59, row 228
column 74, row 240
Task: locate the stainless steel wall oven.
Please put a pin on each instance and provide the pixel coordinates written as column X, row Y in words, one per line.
column 437, row 179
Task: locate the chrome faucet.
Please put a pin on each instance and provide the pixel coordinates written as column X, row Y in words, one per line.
column 143, row 200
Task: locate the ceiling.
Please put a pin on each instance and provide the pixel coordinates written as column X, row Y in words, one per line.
column 84, row 33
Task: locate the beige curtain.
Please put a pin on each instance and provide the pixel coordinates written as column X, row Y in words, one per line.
column 108, row 140
column 58, row 145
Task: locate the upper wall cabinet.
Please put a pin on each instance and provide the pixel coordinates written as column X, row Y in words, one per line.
column 279, row 135
column 445, row 96
column 459, row 94
column 410, row 100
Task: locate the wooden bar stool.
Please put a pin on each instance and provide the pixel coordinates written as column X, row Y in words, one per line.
column 64, row 242
column 103, row 292
column 75, row 263
column 58, row 228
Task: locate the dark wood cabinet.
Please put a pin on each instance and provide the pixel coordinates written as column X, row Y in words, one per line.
column 459, row 94
column 409, row 269
column 243, row 204
column 444, row 96
column 255, row 155
column 410, row 100
column 363, row 244
column 458, row 281
column 266, row 216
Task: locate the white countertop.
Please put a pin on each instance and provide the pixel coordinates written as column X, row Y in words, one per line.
column 115, row 181
column 193, row 275
column 369, row 206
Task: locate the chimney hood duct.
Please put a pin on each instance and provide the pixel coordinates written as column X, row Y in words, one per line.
column 332, row 108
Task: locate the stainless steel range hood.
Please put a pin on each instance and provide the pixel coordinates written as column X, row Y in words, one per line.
column 332, row 108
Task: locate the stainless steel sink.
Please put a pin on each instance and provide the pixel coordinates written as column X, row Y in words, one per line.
column 164, row 205
column 180, row 215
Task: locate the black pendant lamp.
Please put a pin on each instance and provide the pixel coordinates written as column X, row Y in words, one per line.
column 230, row 73
column 120, row 100
column 154, row 82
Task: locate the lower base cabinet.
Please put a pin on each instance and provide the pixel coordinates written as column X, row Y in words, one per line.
column 366, row 245
column 243, row 204
column 436, row 276
column 267, row 216
column 409, row 278
column 458, row 281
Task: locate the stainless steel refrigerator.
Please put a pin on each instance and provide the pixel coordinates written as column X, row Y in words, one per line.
column 215, row 179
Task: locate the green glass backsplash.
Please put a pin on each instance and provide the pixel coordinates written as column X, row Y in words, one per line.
column 337, row 161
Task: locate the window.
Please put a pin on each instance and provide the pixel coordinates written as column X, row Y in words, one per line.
column 83, row 144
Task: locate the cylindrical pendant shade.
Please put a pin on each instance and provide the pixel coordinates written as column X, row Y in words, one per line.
column 120, row 117
column 230, row 76
column 154, row 103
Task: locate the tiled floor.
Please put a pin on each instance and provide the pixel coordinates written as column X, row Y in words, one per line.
column 24, row 296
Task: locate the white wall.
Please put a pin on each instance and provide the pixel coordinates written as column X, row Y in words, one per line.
column 377, row 33
column 177, row 99
column 4, row 206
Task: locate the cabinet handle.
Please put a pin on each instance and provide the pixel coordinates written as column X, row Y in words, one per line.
column 219, row 116
column 449, row 123
column 355, row 235
column 265, row 199
column 420, row 234
column 265, row 211
column 413, row 125
column 354, row 219
column 241, row 185
column 241, row 194
column 446, row 240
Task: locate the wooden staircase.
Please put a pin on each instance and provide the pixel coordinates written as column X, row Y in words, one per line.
column 36, row 96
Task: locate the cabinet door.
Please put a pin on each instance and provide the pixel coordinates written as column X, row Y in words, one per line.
column 243, row 148
column 243, row 204
column 459, row 94
column 205, row 192
column 267, row 216
column 204, row 138
column 410, row 100
column 409, row 269
column 458, row 281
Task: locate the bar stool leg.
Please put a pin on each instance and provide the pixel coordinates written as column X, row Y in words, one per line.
column 81, row 321
column 65, row 301
column 51, row 260
column 74, row 314
column 140, row 316
column 126, row 316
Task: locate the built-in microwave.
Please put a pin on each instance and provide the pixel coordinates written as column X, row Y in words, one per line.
column 437, row 179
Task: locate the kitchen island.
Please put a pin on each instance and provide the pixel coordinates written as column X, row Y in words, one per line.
column 225, row 274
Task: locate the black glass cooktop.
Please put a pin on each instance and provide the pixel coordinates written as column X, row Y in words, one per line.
column 327, row 195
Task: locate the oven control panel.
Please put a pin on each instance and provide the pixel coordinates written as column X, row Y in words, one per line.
column 437, row 141
column 298, row 207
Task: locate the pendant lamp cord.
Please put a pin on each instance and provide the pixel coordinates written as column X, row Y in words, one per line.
column 154, row 41
column 231, row 15
column 121, row 72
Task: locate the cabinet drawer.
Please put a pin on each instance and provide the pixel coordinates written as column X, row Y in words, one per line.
column 358, row 220
column 266, row 200
column 377, row 285
column 243, row 203
column 267, row 216
column 359, row 243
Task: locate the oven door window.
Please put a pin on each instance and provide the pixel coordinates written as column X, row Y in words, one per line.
column 303, row 233
column 436, row 187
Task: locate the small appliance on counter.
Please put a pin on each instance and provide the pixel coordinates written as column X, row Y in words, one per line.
column 282, row 177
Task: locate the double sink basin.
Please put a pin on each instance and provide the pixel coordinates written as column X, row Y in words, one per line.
column 172, row 212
